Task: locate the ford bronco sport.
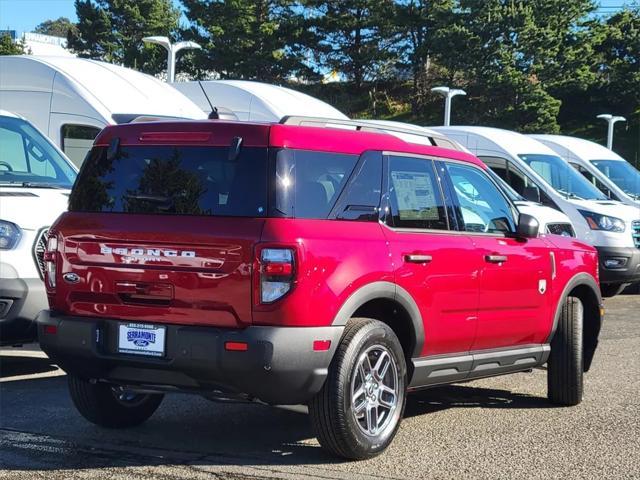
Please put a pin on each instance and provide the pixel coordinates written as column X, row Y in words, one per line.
column 293, row 264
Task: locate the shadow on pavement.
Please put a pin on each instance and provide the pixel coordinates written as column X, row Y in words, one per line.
column 14, row 365
column 186, row 429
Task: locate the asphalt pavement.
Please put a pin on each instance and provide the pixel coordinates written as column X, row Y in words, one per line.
column 494, row 428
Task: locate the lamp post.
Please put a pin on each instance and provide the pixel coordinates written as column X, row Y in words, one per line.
column 172, row 50
column 448, row 94
column 611, row 120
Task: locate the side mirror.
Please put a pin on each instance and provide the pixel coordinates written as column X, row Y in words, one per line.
column 528, row 226
column 532, row 193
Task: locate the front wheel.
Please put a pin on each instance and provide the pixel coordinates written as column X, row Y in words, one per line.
column 565, row 370
column 359, row 409
column 112, row 406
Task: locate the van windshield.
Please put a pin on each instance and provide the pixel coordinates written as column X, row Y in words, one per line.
column 27, row 158
column 562, row 177
column 622, row 174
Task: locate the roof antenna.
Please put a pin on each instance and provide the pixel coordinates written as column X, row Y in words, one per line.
column 214, row 111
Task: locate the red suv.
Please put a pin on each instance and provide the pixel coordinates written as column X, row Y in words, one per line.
column 293, row 264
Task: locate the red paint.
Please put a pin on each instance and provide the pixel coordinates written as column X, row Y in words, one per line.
column 236, row 346
column 321, row 345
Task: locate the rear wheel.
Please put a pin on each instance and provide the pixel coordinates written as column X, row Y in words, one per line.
column 359, row 409
column 112, row 406
column 565, row 368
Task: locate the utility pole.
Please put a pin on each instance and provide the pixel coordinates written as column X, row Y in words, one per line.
column 172, row 50
column 611, row 120
column 448, row 94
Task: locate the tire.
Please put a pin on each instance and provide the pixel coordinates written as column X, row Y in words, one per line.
column 565, row 369
column 105, row 405
column 612, row 289
column 340, row 428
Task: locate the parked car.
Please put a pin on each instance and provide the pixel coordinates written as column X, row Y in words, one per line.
column 537, row 173
column 71, row 99
column 608, row 171
column 35, row 181
column 295, row 264
column 253, row 101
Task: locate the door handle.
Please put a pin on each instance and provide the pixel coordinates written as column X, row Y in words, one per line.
column 416, row 258
column 495, row 258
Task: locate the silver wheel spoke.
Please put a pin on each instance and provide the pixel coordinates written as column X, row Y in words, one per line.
column 372, row 419
column 382, row 365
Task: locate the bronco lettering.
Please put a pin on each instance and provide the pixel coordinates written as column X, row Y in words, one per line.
column 153, row 252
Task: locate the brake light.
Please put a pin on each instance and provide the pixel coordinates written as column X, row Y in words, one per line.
column 50, row 261
column 276, row 267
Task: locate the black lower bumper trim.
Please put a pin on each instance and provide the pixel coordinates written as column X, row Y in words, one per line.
column 628, row 272
column 278, row 367
column 20, row 302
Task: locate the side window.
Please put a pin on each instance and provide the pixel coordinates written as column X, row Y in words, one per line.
column 361, row 197
column 522, row 184
column 77, row 140
column 594, row 181
column 308, row 183
column 484, row 208
column 12, row 152
column 498, row 165
column 414, row 194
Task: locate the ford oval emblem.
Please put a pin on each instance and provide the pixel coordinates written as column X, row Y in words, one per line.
column 140, row 343
column 71, row 277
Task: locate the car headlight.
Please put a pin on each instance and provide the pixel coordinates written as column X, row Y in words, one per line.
column 603, row 222
column 10, row 234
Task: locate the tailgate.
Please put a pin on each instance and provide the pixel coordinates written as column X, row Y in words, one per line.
column 170, row 269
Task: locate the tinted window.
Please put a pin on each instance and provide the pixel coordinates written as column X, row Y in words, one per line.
column 77, row 140
column 27, row 157
column 309, row 183
column 173, row 180
column 484, row 208
column 361, row 197
column 594, row 180
column 414, row 194
column 622, row 174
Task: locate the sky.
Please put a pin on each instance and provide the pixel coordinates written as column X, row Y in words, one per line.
column 24, row 15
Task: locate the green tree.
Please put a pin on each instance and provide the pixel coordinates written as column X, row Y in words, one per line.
column 263, row 40
column 60, row 27
column 112, row 30
column 9, row 47
column 355, row 37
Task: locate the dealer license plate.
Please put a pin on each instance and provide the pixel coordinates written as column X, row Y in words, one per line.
column 141, row 339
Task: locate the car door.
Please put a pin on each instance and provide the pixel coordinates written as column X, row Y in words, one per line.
column 435, row 264
column 515, row 277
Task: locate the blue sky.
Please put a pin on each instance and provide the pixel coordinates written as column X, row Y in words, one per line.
column 24, row 15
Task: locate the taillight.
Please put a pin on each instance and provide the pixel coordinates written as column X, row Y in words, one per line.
column 50, row 261
column 276, row 273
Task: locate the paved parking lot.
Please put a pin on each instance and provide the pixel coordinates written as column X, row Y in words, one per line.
column 495, row 428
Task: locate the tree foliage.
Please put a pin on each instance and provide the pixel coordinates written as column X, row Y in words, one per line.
column 112, row 30
column 9, row 47
column 60, row 27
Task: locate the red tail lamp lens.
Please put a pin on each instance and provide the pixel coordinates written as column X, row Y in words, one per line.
column 236, row 346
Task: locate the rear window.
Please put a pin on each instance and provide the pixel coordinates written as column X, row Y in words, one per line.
column 167, row 180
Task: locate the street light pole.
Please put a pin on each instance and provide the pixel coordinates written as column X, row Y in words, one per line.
column 172, row 50
column 611, row 120
column 448, row 94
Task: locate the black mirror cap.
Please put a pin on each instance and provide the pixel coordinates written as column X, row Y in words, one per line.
column 528, row 226
column 531, row 193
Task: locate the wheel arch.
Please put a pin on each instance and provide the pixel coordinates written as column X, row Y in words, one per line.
column 584, row 287
column 392, row 305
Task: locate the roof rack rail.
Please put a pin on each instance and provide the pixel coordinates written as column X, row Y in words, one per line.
column 360, row 125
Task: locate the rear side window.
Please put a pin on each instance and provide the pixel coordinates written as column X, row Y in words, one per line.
column 77, row 140
column 184, row 180
column 308, row 183
column 414, row 194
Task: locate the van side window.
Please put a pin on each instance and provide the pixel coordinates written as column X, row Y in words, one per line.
column 484, row 208
column 415, row 196
column 595, row 181
column 77, row 140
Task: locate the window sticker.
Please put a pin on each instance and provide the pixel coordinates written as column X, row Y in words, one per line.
column 415, row 195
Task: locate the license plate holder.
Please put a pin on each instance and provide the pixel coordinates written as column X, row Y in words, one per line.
column 141, row 339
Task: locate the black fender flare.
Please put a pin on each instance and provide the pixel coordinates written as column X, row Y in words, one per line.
column 390, row 291
column 577, row 280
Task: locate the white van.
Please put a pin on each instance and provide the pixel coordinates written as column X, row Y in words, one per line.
column 539, row 174
column 254, row 101
column 71, row 99
column 607, row 170
column 35, row 181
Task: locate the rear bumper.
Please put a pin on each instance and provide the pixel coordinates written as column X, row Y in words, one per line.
column 20, row 302
column 279, row 366
column 629, row 269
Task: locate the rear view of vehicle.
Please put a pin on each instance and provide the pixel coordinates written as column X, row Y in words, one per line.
column 35, row 180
